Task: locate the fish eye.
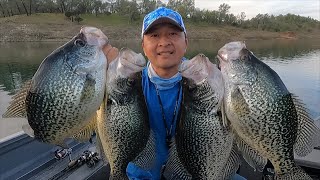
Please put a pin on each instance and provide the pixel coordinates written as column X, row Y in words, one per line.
column 79, row 43
column 244, row 57
column 244, row 54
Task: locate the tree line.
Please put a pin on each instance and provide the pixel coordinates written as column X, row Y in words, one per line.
column 135, row 10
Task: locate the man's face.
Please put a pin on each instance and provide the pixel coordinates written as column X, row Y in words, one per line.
column 165, row 45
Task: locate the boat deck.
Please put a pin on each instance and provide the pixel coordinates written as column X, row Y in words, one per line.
column 22, row 158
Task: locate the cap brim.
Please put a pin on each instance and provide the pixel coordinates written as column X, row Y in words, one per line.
column 163, row 20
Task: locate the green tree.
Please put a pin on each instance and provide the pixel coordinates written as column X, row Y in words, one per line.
column 159, row 4
column 223, row 11
column 147, row 6
column 185, row 7
column 2, row 9
column 97, row 5
column 78, row 19
column 241, row 18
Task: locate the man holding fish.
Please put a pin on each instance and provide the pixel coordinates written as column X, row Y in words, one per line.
column 164, row 42
column 199, row 119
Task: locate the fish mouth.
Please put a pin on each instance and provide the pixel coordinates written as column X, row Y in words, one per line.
column 94, row 36
column 131, row 59
column 221, row 59
column 130, row 64
column 218, row 63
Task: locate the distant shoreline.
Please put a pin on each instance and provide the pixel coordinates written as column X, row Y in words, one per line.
column 56, row 28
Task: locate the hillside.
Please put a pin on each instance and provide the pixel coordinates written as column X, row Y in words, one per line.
column 56, row 27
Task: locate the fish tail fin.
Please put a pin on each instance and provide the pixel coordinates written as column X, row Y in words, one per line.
column 17, row 107
column 174, row 169
column 296, row 173
column 251, row 156
column 308, row 135
column 232, row 165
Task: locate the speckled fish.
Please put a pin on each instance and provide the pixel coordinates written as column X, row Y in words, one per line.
column 67, row 89
column 270, row 123
column 123, row 125
column 203, row 146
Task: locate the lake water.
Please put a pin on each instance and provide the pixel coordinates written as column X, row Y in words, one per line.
column 296, row 62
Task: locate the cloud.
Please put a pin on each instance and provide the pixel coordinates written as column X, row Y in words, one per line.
column 253, row 7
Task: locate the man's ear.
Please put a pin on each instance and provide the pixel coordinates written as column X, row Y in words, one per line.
column 142, row 45
column 186, row 40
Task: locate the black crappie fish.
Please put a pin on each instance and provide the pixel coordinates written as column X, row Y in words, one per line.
column 202, row 148
column 67, row 89
column 123, row 125
column 269, row 122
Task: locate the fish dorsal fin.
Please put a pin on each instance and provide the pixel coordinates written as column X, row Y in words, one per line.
column 28, row 130
column 17, row 107
column 250, row 155
column 87, row 130
column 174, row 168
column 147, row 158
column 232, row 165
column 308, row 135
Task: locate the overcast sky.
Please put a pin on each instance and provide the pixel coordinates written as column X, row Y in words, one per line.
column 253, row 7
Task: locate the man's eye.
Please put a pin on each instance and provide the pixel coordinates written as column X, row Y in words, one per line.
column 154, row 35
column 173, row 33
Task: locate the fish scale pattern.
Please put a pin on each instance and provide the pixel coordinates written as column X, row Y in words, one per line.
column 127, row 127
column 61, row 100
column 262, row 112
column 270, row 120
column 203, row 144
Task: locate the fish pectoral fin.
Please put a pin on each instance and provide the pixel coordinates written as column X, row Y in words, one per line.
column 250, row 155
column 28, row 130
column 84, row 68
column 225, row 121
column 240, row 105
column 308, row 135
column 17, row 107
column 89, row 89
column 232, row 165
column 87, row 130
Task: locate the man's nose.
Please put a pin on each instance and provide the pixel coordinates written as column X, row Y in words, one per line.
column 164, row 41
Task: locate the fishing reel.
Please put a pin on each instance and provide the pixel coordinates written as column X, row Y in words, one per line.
column 87, row 157
column 91, row 158
column 62, row 153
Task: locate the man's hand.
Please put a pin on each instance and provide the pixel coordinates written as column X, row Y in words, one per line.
column 110, row 52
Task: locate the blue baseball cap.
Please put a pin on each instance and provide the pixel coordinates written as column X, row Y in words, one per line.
column 161, row 15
